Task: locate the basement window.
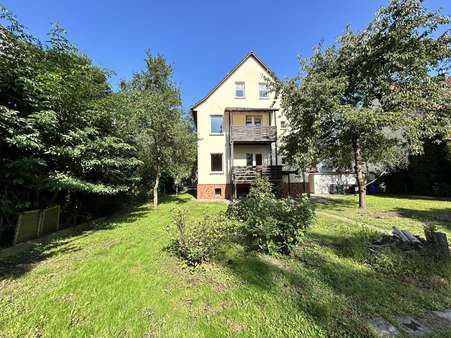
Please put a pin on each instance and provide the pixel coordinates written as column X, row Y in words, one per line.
column 218, row 192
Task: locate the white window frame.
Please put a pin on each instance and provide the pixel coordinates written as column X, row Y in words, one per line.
column 217, row 172
column 244, row 89
column 222, row 127
column 253, row 120
column 254, row 159
column 267, row 94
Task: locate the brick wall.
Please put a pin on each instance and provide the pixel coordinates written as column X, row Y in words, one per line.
column 207, row 191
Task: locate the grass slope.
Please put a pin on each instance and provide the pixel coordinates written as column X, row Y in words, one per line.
column 408, row 213
column 118, row 280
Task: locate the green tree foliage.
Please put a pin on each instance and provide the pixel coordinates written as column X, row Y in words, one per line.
column 56, row 145
column 271, row 224
column 165, row 139
column 374, row 97
column 427, row 174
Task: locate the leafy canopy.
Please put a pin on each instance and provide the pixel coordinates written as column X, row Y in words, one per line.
column 375, row 96
column 56, row 143
column 165, row 139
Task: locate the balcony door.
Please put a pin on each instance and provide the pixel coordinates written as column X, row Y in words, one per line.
column 254, row 159
column 253, row 121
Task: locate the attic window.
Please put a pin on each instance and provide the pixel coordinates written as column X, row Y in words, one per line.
column 239, row 89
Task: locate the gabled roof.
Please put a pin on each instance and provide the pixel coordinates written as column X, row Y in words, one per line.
column 229, row 74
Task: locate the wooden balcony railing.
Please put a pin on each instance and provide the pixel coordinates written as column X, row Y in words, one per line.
column 253, row 134
column 249, row 174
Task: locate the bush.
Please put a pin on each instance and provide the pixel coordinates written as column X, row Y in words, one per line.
column 199, row 240
column 269, row 224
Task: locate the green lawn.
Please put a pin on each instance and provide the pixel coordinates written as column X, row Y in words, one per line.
column 385, row 211
column 117, row 280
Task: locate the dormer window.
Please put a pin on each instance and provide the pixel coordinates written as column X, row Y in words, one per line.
column 239, row 90
column 263, row 90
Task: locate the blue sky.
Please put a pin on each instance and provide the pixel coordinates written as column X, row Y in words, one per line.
column 203, row 40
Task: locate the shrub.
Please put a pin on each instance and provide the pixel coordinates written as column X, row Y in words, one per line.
column 199, row 240
column 269, row 224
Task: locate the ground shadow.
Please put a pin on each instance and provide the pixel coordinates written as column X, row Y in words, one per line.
column 338, row 295
column 192, row 192
column 176, row 199
column 413, row 197
column 442, row 215
column 19, row 260
column 334, row 203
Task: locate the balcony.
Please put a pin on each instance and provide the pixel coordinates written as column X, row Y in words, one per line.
column 246, row 175
column 253, row 134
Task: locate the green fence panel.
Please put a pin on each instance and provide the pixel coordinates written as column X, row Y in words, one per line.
column 50, row 220
column 28, row 225
column 36, row 223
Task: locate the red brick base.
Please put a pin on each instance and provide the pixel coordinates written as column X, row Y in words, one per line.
column 207, row 191
column 294, row 190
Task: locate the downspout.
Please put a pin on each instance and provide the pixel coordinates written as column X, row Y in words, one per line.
column 275, row 125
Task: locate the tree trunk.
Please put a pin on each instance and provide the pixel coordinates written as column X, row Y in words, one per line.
column 359, row 174
column 307, row 191
column 155, row 188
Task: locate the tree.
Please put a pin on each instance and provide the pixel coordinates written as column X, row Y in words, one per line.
column 373, row 98
column 56, row 145
column 165, row 139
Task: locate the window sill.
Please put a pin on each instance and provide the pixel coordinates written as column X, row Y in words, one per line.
column 216, row 134
column 263, row 98
column 217, row 173
column 240, row 97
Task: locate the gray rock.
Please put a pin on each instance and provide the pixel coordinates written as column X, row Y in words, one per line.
column 445, row 314
column 382, row 327
column 413, row 326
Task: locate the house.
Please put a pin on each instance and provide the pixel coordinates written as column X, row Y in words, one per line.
column 239, row 128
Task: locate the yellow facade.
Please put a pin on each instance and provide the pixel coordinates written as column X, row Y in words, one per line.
column 252, row 73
